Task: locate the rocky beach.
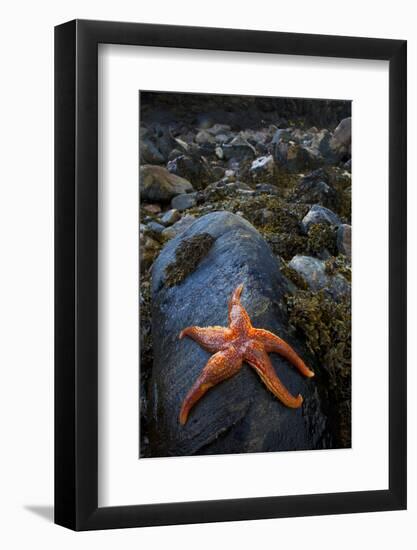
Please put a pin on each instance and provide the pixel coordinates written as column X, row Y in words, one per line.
column 237, row 189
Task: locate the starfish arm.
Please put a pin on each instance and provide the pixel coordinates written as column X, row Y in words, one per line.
column 239, row 319
column 257, row 358
column 274, row 344
column 211, row 339
column 221, row 365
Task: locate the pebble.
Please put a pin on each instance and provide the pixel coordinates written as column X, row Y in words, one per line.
column 155, row 227
column 170, row 216
column 182, row 202
column 152, row 208
column 319, row 214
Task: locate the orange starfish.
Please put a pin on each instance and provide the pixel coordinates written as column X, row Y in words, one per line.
column 232, row 345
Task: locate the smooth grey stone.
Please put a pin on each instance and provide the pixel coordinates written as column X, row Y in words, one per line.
column 182, row 202
column 155, row 227
column 170, row 216
column 314, row 273
column 319, row 214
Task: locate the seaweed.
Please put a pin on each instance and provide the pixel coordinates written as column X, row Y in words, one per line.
column 187, row 257
column 322, row 237
column 293, row 276
column 339, row 264
column 326, row 326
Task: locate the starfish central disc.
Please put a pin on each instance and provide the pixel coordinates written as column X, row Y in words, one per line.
column 231, row 346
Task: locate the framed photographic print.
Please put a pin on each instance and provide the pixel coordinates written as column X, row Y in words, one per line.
column 230, row 275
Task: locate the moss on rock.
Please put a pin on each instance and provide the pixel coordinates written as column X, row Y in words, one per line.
column 187, row 257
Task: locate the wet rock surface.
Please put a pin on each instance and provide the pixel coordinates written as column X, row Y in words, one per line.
column 240, row 414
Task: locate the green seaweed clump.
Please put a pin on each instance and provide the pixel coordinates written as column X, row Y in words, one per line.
column 342, row 182
column 326, row 326
column 339, row 264
column 293, row 276
column 278, row 222
column 322, row 237
column 187, row 257
column 285, row 245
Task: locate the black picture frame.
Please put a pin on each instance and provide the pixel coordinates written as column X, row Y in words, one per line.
column 76, row 271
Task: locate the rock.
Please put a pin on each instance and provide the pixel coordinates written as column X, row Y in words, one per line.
column 163, row 139
column 314, row 273
column 219, row 129
column 319, row 214
column 342, row 138
column 241, row 185
column 152, row 208
column 263, row 168
column 344, row 240
column 219, row 153
column 218, row 172
column 170, row 217
column 179, row 227
column 155, row 227
column 222, row 138
column 321, row 143
column 281, row 135
column 149, row 152
column 316, row 188
column 182, row 202
column 239, row 415
column 348, row 165
column 239, row 149
column 174, row 154
column 267, row 188
column 193, row 169
column 157, row 184
column 294, row 157
column 204, row 137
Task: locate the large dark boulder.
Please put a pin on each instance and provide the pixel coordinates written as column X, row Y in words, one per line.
column 240, row 414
